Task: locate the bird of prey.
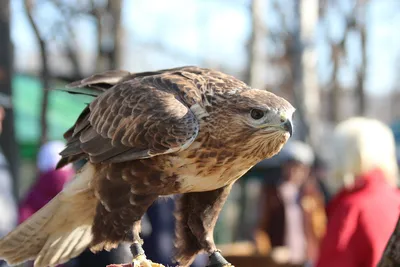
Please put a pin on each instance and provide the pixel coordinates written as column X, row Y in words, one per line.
column 189, row 131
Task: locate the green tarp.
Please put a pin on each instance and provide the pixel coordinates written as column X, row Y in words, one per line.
column 63, row 110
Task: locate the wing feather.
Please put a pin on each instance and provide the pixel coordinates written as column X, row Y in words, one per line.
column 140, row 115
column 100, row 81
column 132, row 120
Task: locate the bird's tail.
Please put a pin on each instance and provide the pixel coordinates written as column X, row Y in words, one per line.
column 59, row 231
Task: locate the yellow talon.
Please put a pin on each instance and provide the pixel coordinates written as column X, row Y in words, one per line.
column 142, row 261
column 140, row 257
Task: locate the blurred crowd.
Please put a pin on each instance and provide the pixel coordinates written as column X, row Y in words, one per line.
column 337, row 212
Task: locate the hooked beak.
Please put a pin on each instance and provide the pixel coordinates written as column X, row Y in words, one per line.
column 287, row 126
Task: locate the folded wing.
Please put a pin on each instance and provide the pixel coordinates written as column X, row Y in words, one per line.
column 133, row 119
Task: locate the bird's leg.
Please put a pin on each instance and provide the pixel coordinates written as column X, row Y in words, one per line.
column 201, row 210
column 140, row 204
column 136, row 247
column 216, row 260
column 139, row 256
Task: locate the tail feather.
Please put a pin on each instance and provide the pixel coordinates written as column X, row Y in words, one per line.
column 59, row 231
column 59, row 249
column 24, row 243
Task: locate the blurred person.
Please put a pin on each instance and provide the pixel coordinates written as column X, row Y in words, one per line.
column 8, row 206
column 292, row 209
column 363, row 213
column 319, row 172
column 49, row 181
column 314, row 215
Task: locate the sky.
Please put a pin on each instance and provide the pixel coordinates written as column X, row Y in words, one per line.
column 215, row 32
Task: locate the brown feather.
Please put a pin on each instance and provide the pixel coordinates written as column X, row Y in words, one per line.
column 196, row 216
column 158, row 123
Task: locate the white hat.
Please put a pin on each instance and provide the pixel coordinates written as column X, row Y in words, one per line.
column 293, row 150
column 298, row 151
column 48, row 155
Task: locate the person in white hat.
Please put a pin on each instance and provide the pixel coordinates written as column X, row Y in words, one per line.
column 287, row 227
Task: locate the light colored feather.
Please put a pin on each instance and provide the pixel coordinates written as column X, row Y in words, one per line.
column 59, row 231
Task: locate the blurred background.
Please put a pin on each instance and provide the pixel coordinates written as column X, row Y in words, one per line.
column 333, row 59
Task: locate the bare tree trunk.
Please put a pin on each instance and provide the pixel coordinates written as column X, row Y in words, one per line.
column 310, row 87
column 255, row 60
column 335, row 90
column 7, row 138
column 115, row 11
column 100, row 61
column 361, row 73
column 391, row 255
column 296, row 51
column 72, row 53
column 73, row 57
column 70, row 41
column 45, row 75
column 109, row 30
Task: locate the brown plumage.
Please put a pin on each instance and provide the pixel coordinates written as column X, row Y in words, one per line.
column 189, row 131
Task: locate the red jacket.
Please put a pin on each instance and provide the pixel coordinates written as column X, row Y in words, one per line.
column 360, row 222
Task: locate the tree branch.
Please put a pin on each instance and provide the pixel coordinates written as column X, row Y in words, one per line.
column 360, row 89
column 70, row 42
column 45, row 75
column 98, row 13
column 8, row 141
column 115, row 11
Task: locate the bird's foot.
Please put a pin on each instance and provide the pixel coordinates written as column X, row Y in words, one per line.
column 141, row 261
column 217, row 260
column 139, row 258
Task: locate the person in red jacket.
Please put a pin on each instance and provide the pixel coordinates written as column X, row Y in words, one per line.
column 49, row 181
column 363, row 213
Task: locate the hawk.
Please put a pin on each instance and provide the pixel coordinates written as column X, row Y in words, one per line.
column 189, row 131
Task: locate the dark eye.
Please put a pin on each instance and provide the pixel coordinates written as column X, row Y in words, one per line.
column 257, row 114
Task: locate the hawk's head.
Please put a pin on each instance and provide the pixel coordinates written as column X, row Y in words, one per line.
column 257, row 122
